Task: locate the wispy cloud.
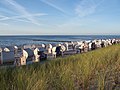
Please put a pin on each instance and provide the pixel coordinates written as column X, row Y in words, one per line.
column 5, row 24
column 87, row 7
column 53, row 6
column 3, row 18
column 6, row 11
column 19, row 18
column 21, row 10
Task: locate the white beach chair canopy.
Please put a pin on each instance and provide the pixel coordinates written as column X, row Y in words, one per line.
column 36, row 51
column 43, row 45
column 63, row 48
column 6, row 50
column 53, row 49
column 25, row 54
column 15, row 47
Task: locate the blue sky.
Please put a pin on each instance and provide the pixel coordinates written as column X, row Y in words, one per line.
column 61, row 17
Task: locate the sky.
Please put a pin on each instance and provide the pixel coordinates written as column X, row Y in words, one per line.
column 59, row 17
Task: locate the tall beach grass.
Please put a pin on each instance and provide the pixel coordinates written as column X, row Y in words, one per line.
column 95, row 70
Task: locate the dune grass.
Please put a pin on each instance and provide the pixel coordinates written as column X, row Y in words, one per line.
column 95, row 70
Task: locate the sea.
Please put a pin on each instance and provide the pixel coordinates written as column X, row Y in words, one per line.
column 39, row 39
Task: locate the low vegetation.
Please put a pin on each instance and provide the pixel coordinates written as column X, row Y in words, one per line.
column 95, row 70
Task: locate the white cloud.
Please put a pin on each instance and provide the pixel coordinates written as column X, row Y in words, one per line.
column 53, row 5
column 19, row 17
column 21, row 10
column 87, row 7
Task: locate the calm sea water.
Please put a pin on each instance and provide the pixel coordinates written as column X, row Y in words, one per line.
column 21, row 40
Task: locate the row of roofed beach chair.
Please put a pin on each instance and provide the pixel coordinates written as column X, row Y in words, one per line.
column 26, row 54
